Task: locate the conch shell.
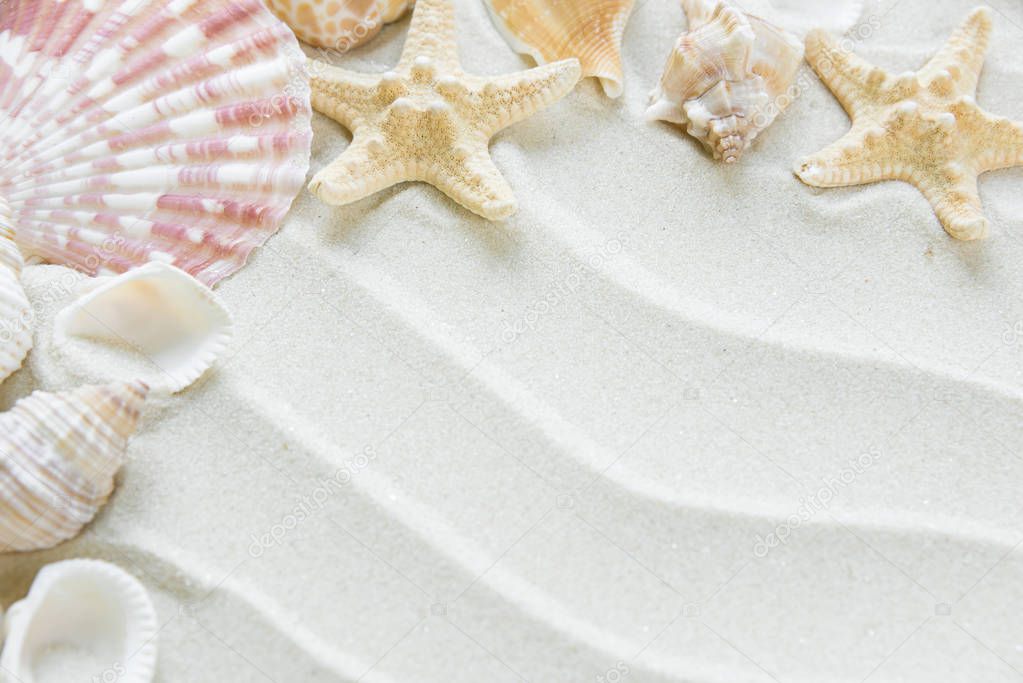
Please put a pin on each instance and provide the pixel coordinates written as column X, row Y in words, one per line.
column 60, row 454
column 16, row 315
column 727, row 78
column 551, row 30
column 85, row 616
column 338, row 24
column 155, row 323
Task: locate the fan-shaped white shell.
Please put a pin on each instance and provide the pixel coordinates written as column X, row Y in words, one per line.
column 727, row 77
column 155, row 323
column 16, row 316
column 149, row 130
column 82, row 620
column 60, row 454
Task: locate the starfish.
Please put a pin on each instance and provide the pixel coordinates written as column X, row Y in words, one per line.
column 428, row 120
column 923, row 128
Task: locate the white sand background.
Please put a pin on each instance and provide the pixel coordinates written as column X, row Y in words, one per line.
column 559, row 439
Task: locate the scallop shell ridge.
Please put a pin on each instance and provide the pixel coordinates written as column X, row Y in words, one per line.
column 149, row 130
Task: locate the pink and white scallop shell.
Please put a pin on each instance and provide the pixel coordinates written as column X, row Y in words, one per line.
column 134, row 131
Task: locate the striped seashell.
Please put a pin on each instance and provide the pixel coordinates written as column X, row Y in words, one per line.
column 727, row 78
column 59, row 453
column 551, row 30
column 16, row 315
column 90, row 618
column 338, row 24
column 149, row 130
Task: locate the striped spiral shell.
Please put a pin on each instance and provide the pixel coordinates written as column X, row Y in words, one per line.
column 15, row 312
column 59, row 453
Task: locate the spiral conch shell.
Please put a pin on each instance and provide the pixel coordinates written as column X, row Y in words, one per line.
column 727, row 77
column 338, row 24
column 551, row 30
column 90, row 618
column 15, row 311
column 60, row 452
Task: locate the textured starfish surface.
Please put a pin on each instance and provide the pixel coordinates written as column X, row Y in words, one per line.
column 924, row 128
column 428, row 120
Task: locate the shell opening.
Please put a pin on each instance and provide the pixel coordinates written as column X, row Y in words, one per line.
column 82, row 618
column 156, row 323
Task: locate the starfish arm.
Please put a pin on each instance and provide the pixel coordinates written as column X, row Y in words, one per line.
column 504, row 100
column 853, row 80
column 431, row 36
column 956, row 68
column 357, row 173
column 956, row 201
column 858, row 158
column 1000, row 144
column 474, row 182
column 345, row 96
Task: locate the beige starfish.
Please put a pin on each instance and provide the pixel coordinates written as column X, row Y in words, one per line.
column 924, row 128
column 428, row 120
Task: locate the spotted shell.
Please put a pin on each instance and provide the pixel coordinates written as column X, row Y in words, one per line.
column 338, row 24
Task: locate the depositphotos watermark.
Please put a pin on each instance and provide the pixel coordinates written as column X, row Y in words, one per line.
column 615, row 674
column 862, row 31
column 24, row 320
column 347, row 40
column 111, row 674
column 562, row 288
column 60, row 288
column 815, row 503
column 311, row 503
column 1013, row 334
column 284, row 103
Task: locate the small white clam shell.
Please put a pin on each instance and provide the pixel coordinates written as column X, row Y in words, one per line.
column 81, row 620
column 155, row 323
column 60, row 454
column 16, row 315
